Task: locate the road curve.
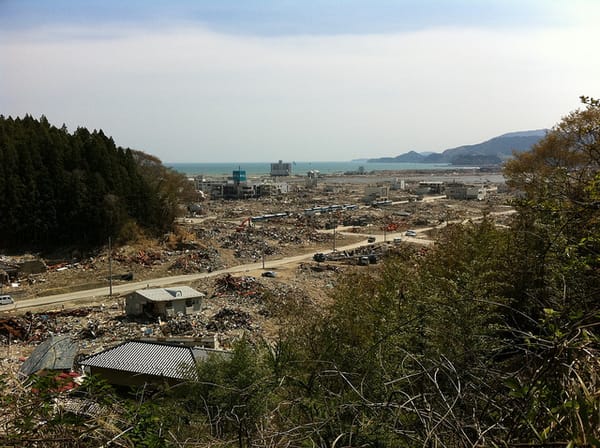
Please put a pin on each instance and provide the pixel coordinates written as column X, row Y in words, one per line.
column 98, row 293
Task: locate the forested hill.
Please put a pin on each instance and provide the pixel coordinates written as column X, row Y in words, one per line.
column 61, row 188
column 490, row 152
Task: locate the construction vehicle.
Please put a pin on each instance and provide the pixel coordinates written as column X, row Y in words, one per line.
column 245, row 223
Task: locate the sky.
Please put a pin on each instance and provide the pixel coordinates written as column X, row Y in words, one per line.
column 328, row 80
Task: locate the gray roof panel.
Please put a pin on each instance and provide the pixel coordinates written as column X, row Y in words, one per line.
column 55, row 353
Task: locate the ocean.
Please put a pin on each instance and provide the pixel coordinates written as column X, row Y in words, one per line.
column 299, row 168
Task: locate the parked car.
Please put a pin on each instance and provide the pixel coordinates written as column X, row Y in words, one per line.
column 371, row 239
column 411, row 233
column 363, row 261
column 397, row 240
column 6, row 300
column 319, row 257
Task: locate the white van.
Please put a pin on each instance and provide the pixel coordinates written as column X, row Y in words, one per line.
column 6, row 300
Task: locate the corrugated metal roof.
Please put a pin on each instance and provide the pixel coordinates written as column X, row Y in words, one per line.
column 171, row 361
column 55, row 353
column 166, row 294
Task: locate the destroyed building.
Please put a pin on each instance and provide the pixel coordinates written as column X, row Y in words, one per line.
column 281, row 169
column 57, row 353
column 459, row 190
column 163, row 302
column 375, row 193
column 430, row 187
column 239, row 187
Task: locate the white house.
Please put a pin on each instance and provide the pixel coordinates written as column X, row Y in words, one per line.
column 163, row 302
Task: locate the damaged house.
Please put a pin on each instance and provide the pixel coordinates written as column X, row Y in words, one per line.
column 163, row 302
column 136, row 363
column 140, row 362
column 55, row 354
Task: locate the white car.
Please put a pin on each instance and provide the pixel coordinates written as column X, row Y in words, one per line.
column 411, row 233
column 6, row 300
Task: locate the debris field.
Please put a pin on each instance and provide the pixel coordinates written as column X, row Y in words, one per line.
column 219, row 235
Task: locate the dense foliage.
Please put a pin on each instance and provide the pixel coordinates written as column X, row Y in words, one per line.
column 489, row 338
column 60, row 188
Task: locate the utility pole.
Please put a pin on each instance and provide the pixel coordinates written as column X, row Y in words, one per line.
column 109, row 267
column 335, row 225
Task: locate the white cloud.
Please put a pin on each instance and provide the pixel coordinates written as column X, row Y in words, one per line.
column 192, row 95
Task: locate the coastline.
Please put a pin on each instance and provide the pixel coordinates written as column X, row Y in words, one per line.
column 325, row 169
column 301, row 168
column 385, row 172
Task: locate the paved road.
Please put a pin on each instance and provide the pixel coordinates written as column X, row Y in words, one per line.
column 98, row 293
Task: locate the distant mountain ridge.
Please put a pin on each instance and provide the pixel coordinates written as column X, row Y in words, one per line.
column 490, row 152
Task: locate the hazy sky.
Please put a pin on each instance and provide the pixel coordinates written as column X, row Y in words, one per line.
column 262, row 80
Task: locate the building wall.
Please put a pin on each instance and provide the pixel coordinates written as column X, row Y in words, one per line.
column 456, row 190
column 281, row 169
column 462, row 191
column 135, row 304
column 121, row 378
column 373, row 193
column 431, row 187
column 473, row 192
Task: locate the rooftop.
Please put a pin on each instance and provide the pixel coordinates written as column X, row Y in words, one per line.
column 167, row 294
column 146, row 358
column 55, row 353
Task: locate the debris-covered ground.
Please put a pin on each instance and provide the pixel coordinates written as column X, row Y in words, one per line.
column 233, row 306
column 219, row 235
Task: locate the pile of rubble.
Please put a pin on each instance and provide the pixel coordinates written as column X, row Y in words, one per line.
column 32, row 327
column 13, row 328
column 247, row 246
column 319, row 267
column 240, row 287
column 142, row 257
column 231, row 319
column 205, row 234
column 206, row 260
column 182, row 325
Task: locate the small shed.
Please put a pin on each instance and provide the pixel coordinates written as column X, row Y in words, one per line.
column 163, row 302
